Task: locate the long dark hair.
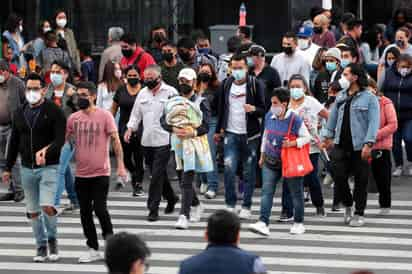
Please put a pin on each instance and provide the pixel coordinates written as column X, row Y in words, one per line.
column 12, row 23
column 213, row 83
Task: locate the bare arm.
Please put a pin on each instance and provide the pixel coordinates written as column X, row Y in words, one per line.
column 118, row 150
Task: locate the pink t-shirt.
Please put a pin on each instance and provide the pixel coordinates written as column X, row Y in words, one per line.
column 91, row 134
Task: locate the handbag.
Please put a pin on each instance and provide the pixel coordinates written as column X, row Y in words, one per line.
column 271, row 162
column 295, row 161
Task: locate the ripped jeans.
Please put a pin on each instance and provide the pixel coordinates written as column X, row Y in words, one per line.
column 238, row 149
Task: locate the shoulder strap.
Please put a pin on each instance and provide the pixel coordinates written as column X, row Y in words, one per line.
column 292, row 119
column 139, row 57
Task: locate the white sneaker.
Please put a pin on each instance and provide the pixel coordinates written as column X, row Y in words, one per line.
column 231, row 209
column 182, row 222
column 347, row 217
column 297, row 229
column 91, row 256
column 245, row 214
column 385, row 211
column 203, row 188
column 327, row 180
column 357, row 221
column 397, row 172
column 210, row 194
column 196, row 213
column 260, row 228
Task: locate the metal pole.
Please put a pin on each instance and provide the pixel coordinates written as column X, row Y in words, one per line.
column 175, row 20
column 361, row 9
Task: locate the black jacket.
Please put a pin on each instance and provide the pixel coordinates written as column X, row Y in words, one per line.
column 49, row 129
column 255, row 95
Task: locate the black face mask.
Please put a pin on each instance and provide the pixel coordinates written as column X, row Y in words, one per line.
column 151, row 84
column 400, row 43
column 185, row 89
column 83, row 103
column 317, row 30
column 127, row 53
column 185, row 56
column 158, row 38
column 133, row 81
column 168, row 56
column 288, row 50
column 204, row 77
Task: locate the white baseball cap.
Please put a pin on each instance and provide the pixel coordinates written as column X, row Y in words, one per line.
column 188, row 74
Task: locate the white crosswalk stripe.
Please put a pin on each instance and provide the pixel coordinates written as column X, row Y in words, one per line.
column 384, row 245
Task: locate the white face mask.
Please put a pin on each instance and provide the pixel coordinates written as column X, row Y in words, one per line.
column 21, row 28
column 303, row 44
column 61, row 22
column 344, row 83
column 118, row 73
column 47, row 29
column 33, row 97
column 2, row 79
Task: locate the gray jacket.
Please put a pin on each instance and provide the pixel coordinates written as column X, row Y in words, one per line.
column 16, row 90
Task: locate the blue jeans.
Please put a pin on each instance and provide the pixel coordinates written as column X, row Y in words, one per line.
column 404, row 133
column 65, row 178
column 312, row 181
column 211, row 178
column 238, row 149
column 270, row 178
column 39, row 187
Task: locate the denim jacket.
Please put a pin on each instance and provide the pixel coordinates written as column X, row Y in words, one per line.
column 364, row 119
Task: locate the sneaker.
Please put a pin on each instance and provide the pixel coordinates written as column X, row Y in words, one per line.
column 54, row 252
column 320, row 212
column 59, row 210
column 19, row 196
column 72, row 207
column 41, row 255
column 137, row 190
column 91, row 255
column 397, row 172
column 285, row 218
column 245, row 214
column 182, row 222
column 347, row 215
column 231, row 209
column 357, row 221
column 170, row 207
column 203, row 188
column 327, row 180
column 307, row 197
column 385, row 211
column 153, row 216
column 196, row 213
column 7, row 197
column 210, row 194
column 260, row 228
column 297, row 229
column 335, row 208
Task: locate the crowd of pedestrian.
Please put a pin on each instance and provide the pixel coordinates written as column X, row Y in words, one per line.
column 334, row 106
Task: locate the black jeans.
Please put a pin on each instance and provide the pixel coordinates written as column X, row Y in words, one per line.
column 189, row 196
column 382, row 172
column 344, row 163
column 157, row 159
column 133, row 158
column 92, row 195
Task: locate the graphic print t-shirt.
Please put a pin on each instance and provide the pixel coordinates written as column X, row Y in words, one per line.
column 91, row 134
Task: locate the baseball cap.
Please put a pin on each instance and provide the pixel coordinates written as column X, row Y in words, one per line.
column 334, row 52
column 255, row 50
column 188, row 74
column 305, row 32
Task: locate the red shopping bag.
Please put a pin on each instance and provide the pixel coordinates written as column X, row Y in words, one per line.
column 295, row 161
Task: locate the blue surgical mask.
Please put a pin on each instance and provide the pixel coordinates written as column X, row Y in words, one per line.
column 344, row 63
column 204, row 51
column 331, row 66
column 239, row 74
column 297, row 93
column 250, row 62
column 56, row 79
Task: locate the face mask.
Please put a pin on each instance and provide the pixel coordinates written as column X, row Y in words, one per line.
column 204, row 51
column 118, row 73
column 297, row 93
column 239, row 74
column 400, row 43
column 185, row 89
column 158, row 38
column 168, row 56
column 404, row 71
column 331, row 66
column 185, row 56
column 127, row 53
column 344, row 83
column 344, row 63
column 33, row 97
column 276, row 110
column 83, row 103
column 61, row 22
column 151, row 84
column 56, row 79
column 317, row 30
column 45, row 30
column 250, row 62
column 390, row 62
column 133, row 81
column 204, row 77
column 303, row 44
column 2, row 79
column 20, row 28
column 288, row 50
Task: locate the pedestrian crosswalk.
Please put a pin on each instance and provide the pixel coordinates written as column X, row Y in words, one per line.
column 384, row 245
